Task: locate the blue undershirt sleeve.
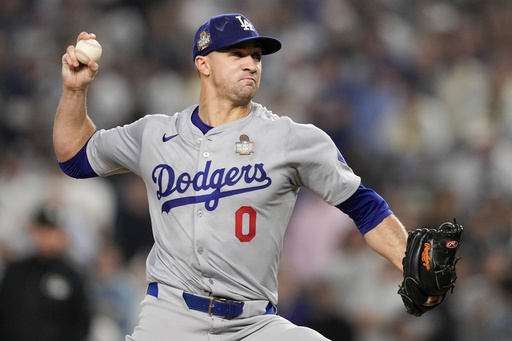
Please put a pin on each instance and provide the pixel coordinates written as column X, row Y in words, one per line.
column 78, row 166
column 366, row 208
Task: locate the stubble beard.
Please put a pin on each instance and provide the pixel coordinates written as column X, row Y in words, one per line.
column 242, row 95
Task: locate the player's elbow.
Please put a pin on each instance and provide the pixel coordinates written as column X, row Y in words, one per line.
column 78, row 165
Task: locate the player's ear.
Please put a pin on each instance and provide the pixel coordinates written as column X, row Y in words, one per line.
column 202, row 65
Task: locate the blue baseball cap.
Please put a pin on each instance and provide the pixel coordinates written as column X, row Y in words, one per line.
column 229, row 29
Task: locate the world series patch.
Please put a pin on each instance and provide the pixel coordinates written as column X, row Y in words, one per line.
column 245, row 146
column 204, row 41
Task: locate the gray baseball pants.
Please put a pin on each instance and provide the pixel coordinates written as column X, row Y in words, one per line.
column 168, row 318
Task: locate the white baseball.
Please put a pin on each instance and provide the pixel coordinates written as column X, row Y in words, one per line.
column 86, row 50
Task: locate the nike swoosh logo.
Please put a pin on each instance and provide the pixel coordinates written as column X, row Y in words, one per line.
column 167, row 138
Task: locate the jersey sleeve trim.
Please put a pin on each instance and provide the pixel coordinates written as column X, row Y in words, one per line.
column 78, row 166
column 366, row 208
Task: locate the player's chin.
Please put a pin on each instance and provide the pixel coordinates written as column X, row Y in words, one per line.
column 241, row 100
column 248, row 91
column 249, row 85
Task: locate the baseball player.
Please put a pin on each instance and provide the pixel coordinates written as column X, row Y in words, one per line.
column 222, row 177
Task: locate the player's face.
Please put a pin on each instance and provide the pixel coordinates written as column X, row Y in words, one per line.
column 236, row 71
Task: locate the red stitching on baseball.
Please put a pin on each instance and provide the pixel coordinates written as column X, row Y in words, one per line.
column 82, row 53
column 88, row 43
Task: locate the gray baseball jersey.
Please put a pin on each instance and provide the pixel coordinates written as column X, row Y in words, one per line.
column 220, row 202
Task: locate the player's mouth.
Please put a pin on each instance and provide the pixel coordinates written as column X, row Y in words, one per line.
column 249, row 78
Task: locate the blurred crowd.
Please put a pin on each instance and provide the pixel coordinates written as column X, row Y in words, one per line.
column 417, row 94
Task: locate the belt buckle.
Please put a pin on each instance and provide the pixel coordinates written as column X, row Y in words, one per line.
column 218, row 299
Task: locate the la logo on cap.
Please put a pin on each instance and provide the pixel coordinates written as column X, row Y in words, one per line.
column 247, row 26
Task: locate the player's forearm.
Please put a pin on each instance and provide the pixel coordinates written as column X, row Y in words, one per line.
column 389, row 239
column 72, row 127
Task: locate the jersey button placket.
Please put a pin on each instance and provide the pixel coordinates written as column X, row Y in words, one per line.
column 200, row 249
column 201, row 239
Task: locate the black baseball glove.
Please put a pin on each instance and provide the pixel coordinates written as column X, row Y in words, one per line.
column 429, row 265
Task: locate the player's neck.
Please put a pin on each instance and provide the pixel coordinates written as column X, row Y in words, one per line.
column 216, row 114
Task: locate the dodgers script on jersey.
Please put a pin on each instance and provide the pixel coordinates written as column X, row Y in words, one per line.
column 220, row 202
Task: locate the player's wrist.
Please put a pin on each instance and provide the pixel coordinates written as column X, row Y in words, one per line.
column 74, row 91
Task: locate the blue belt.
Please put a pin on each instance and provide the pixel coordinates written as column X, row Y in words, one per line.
column 213, row 306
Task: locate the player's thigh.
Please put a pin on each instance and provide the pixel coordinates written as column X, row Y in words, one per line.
column 278, row 328
column 160, row 320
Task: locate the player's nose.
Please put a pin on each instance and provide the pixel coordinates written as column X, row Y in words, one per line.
column 250, row 64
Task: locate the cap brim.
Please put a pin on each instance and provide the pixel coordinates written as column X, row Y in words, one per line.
column 268, row 45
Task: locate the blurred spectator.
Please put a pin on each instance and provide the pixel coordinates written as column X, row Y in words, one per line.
column 352, row 276
column 18, row 176
column 294, row 304
column 112, row 291
column 43, row 297
column 315, row 227
column 89, row 209
column 324, row 317
column 132, row 231
column 500, row 327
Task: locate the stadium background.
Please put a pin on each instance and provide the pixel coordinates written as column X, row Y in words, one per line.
column 417, row 94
